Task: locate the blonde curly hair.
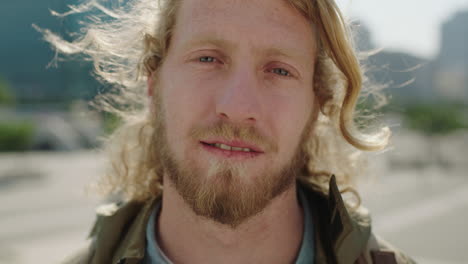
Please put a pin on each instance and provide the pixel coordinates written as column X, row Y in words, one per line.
column 128, row 43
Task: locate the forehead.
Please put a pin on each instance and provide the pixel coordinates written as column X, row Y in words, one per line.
column 261, row 23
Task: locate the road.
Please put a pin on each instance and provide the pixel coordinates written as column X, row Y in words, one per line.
column 46, row 212
column 46, row 215
column 425, row 214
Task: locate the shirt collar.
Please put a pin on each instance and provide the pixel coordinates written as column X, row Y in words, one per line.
column 154, row 254
column 307, row 251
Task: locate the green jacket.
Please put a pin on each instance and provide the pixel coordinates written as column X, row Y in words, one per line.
column 118, row 235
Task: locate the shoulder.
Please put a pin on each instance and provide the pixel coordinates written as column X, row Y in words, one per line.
column 377, row 250
column 82, row 255
column 345, row 233
column 380, row 251
column 400, row 256
column 111, row 219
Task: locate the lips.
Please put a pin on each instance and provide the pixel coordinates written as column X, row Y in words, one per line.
column 233, row 146
column 229, row 148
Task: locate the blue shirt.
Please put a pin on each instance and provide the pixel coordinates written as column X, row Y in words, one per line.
column 154, row 254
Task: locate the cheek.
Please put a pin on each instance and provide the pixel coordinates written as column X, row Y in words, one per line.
column 185, row 89
column 290, row 117
column 185, row 106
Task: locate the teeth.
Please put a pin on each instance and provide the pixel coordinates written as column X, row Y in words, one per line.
column 222, row 146
column 226, row 147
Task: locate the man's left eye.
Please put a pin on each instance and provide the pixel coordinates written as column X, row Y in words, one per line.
column 281, row 72
column 206, row 59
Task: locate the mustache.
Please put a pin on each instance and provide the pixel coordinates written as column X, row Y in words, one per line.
column 230, row 131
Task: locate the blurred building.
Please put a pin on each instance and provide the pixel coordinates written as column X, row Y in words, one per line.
column 411, row 78
column 45, row 93
column 25, row 56
column 451, row 66
column 406, row 77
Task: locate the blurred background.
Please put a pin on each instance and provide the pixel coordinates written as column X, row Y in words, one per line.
column 418, row 194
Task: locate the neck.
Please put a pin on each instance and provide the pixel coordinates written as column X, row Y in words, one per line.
column 272, row 236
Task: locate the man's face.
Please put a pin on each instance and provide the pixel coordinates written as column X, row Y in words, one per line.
column 236, row 101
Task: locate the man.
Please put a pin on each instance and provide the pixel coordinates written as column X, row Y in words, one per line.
column 232, row 160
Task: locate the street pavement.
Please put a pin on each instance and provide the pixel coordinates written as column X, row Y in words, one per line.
column 424, row 213
column 46, row 215
column 46, row 211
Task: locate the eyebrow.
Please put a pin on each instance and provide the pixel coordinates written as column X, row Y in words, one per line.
column 282, row 52
column 210, row 40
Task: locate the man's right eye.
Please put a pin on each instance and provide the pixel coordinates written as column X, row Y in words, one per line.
column 206, row 59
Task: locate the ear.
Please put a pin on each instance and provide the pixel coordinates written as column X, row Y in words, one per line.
column 150, row 85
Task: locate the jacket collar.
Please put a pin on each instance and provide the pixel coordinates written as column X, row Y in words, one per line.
column 119, row 232
column 341, row 236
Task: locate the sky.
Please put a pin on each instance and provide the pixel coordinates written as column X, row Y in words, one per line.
column 406, row 25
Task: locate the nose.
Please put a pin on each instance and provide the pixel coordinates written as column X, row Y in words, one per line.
column 238, row 100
